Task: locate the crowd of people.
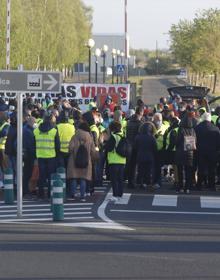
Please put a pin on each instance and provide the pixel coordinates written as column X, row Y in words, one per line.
column 175, row 140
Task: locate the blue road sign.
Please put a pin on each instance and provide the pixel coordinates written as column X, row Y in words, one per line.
column 120, row 68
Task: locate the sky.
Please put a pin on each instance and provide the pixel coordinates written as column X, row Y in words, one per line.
column 148, row 20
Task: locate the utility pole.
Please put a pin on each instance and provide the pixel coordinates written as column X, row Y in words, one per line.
column 8, row 32
column 126, row 42
column 157, row 59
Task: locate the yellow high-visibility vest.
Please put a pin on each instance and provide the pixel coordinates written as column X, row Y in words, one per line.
column 95, row 129
column 66, row 132
column 113, row 157
column 3, row 139
column 45, row 143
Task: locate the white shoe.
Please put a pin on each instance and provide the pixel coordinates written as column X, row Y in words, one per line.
column 113, row 199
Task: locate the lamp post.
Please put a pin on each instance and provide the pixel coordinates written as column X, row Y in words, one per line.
column 122, row 56
column 117, row 57
column 104, row 51
column 97, row 54
column 114, row 51
column 90, row 44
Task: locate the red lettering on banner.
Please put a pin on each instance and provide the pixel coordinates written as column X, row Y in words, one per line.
column 122, row 92
column 101, row 90
column 111, row 90
column 85, row 92
column 93, row 92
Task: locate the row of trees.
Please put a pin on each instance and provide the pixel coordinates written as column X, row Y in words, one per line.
column 47, row 34
column 196, row 45
column 154, row 62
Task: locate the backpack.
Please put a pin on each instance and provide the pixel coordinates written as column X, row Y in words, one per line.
column 123, row 148
column 189, row 143
column 82, row 156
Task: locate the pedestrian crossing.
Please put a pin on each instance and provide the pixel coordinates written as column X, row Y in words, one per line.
column 34, row 211
column 176, row 201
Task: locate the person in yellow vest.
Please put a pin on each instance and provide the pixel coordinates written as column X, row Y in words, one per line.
column 4, row 127
column 47, row 146
column 118, row 117
column 66, row 131
column 161, row 127
column 115, row 161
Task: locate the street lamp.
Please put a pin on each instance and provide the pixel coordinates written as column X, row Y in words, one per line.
column 90, row 44
column 118, row 52
column 122, row 56
column 114, row 52
column 97, row 54
column 104, row 51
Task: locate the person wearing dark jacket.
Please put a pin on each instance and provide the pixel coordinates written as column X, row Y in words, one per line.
column 11, row 143
column 208, row 147
column 185, row 152
column 146, row 148
column 47, row 145
column 28, row 153
column 132, row 131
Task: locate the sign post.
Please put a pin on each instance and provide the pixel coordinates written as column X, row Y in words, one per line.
column 22, row 81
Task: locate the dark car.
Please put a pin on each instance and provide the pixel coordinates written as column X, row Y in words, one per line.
column 188, row 93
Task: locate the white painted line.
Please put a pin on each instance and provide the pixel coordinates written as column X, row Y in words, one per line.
column 44, row 210
column 167, row 212
column 99, row 225
column 44, row 205
column 45, row 214
column 101, row 213
column 210, row 202
column 41, row 219
column 165, row 200
column 124, row 200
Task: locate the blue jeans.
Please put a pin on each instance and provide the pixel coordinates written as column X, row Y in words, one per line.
column 73, row 186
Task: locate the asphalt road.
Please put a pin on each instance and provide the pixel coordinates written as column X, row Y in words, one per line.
column 155, row 87
column 164, row 237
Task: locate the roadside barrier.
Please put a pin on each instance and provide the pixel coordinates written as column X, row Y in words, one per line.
column 62, row 172
column 8, row 186
column 58, row 207
column 54, row 177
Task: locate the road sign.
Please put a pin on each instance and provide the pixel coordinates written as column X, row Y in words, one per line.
column 34, row 81
column 120, row 69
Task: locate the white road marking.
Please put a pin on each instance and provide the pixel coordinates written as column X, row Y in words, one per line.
column 165, row 200
column 124, row 200
column 45, row 214
column 45, row 205
column 210, row 202
column 167, row 212
column 43, row 210
column 108, row 222
column 41, row 219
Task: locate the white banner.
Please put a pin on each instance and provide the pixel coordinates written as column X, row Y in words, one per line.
column 83, row 94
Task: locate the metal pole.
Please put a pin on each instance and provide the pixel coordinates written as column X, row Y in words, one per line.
column 89, row 65
column 8, row 32
column 96, row 70
column 103, row 67
column 19, row 154
column 121, row 75
column 117, row 70
column 126, row 42
column 113, row 68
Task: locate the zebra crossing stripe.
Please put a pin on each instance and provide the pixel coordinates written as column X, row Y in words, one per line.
column 210, row 202
column 165, row 200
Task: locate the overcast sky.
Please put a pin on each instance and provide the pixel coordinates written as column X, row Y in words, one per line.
column 148, row 20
